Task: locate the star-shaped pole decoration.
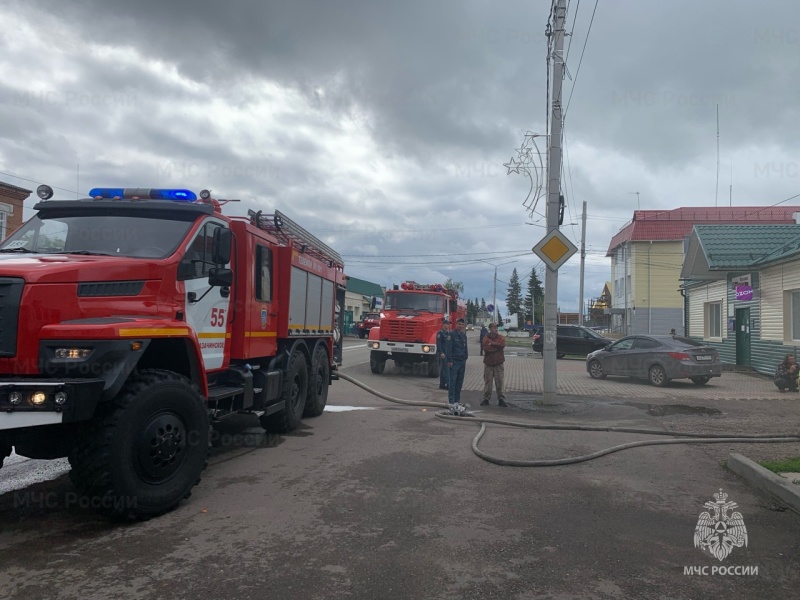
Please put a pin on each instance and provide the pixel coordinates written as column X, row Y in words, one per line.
column 528, row 163
column 512, row 166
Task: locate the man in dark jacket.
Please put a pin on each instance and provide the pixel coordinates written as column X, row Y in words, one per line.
column 442, row 337
column 786, row 374
column 456, row 354
column 493, row 346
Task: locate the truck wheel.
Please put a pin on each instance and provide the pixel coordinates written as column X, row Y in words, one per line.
column 377, row 362
column 433, row 366
column 145, row 452
column 318, row 383
column 295, row 390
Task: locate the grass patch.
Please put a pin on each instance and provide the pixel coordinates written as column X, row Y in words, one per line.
column 790, row 465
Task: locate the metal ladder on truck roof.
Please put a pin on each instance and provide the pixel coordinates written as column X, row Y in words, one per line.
column 283, row 228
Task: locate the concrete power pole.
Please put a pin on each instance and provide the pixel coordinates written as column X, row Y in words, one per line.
column 494, row 299
column 583, row 261
column 553, row 191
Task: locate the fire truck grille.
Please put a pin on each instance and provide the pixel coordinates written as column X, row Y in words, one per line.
column 401, row 330
column 10, row 295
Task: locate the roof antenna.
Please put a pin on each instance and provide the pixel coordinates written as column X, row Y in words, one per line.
column 716, row 190
column 730, row 192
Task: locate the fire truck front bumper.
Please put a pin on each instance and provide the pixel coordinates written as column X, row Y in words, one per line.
column 31, row 403
column 402, row 347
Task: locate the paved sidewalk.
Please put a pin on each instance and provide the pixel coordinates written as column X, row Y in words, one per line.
column 524, row 372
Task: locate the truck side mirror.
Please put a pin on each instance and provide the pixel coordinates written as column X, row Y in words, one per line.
column 221, row 246
column 218, row 277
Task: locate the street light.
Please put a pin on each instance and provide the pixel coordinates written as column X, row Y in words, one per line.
column 494, row 300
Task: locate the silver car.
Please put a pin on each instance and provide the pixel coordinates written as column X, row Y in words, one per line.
column 657, row 358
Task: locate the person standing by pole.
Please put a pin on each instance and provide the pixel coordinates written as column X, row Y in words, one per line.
column 442, row 337
column 456, row 353
column 484, row 331
column 493, row 347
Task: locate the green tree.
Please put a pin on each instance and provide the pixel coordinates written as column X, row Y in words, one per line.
column 514, row 300
column 534, row 299
column 454, row 285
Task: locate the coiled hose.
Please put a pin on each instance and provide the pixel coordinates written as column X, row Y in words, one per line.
column 688, row 438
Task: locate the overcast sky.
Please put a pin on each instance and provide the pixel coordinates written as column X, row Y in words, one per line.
column 383, row 126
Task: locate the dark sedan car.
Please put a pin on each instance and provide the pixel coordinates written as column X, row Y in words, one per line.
column 657, row 358
column 572, row 339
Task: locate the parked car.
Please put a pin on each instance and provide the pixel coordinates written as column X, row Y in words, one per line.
column 572, row 339
column 657, row 358
column 368, row 321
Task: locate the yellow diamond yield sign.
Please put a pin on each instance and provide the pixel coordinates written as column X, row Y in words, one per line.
column 554, row 249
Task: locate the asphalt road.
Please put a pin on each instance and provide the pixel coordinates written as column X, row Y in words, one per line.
column 390, row 502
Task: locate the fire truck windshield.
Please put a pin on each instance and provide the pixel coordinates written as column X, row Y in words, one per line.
column 99, row 234
column 414, row 301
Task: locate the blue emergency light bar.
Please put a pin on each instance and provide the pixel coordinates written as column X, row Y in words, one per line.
column 144, row 194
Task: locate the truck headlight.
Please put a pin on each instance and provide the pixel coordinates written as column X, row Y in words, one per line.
column 375, row 345
column 15, row 397
column 60, row 398
column 426, row 349
column 38, row 398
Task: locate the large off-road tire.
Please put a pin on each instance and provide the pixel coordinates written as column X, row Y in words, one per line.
column 596, row 370
column 144, row 452
column 377, row 362
column 433, row 366
column 657, row 376
column 295, row 391
column 318, row 383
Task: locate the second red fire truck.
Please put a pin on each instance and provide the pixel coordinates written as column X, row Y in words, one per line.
column 411, row 315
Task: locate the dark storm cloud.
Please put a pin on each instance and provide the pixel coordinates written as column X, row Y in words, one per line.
column 384, row 125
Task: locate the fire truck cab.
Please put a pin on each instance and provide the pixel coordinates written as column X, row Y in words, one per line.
column 134, row 319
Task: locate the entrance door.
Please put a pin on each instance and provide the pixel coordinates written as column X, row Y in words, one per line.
column 743, row 337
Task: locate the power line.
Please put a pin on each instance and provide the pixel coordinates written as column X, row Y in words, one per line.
column 55, row 187
column 440, row 255
column 580, row 60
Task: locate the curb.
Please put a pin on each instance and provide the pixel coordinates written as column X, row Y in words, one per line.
column 766, row 480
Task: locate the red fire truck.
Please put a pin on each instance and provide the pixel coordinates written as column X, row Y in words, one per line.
column 410, row 317
column 136, row 318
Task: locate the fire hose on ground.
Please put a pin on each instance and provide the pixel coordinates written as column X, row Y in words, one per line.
column 461, row 416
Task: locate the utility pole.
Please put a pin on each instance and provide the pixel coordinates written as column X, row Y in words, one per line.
column 553, row 192
column 494, row 292
column 494, row 299
column 583, row 261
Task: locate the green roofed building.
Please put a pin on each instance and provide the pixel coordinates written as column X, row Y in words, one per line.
column 742, row 292
column 361, row 297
